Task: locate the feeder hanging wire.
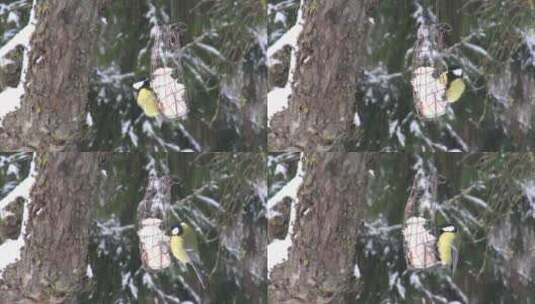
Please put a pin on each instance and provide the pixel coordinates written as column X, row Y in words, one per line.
column 427, row 65
column 153, row 222
column 167, row 76
column 419, row 223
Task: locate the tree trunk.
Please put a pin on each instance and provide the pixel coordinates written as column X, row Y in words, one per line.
column 332, row 204
column 53, row 262
column 54, row 106
column 332, row 51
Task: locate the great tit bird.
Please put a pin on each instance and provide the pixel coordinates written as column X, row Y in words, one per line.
column 146, row 98
column 454, row 83
column 446, row 247
column 184, row 247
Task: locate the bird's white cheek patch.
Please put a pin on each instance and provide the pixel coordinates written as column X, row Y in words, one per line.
column 137, row 85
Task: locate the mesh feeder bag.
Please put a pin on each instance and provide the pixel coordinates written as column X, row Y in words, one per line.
column 428, row 92
column 419, row 241
column 154, row 248
column 166, row 72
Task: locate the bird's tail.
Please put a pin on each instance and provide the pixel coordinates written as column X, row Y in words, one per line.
column 199, row 275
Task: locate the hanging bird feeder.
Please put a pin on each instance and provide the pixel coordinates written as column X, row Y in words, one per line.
column 418, row 225
column 429, row 93
column 167, row 77
column 153, row 242
column 152, row 224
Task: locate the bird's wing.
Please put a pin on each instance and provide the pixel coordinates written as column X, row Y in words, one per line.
column 179, row 251
column 457, row 88
column 148, row 102
column 191, row 243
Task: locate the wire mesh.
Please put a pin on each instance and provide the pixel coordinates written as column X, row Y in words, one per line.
column 167, row 78
column 154, row 245
column 427, row 66
column 419, row 224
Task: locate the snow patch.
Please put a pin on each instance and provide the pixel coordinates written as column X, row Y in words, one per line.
column 11, row 249
column 89, row 120
column 10, row 98
column 277, row 251
column 356, row 120
column 277, row 99
column 356, row 271
column 289, row 190
column 89, row 272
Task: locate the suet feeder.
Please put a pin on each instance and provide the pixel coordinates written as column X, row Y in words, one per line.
column 152, row 224
column 153, row 242
column 419, row 224
column 429, row 94
column 167, row 77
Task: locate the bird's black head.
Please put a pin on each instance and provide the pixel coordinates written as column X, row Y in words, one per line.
column 177, row 229
column 455, row 72
column 448, row 228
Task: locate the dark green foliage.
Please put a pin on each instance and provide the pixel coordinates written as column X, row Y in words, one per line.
column 227, row 179
column 485, row 196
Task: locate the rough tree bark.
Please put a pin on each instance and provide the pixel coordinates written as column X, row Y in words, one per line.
column 53, row 108
column 332, row 50
column 332, row 204
column 53, row 263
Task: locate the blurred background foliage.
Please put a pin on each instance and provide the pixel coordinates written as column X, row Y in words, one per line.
column 222, row 195
column 223, row 59
column 490, row 198
column 491, row 40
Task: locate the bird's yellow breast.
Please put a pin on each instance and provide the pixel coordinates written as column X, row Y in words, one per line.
column 444, row 245
column 148, row 102
column 178, row 250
